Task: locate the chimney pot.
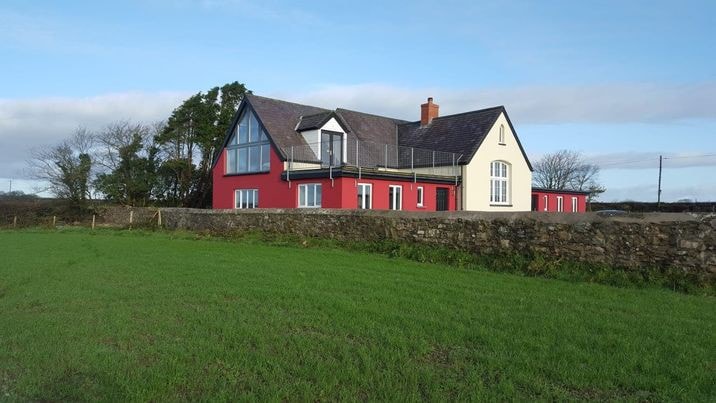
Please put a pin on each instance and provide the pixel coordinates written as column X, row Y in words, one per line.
column 428, row 112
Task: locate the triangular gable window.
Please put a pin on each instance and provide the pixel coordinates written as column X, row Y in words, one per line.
column 248, row 150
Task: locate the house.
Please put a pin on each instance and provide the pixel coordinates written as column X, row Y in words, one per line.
column 557, row 201
column 280, row 154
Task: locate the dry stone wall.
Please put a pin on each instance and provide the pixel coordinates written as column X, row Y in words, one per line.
column 659, row 240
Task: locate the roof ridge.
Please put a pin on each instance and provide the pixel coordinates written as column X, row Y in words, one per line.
column 371, row 114
column 290, row 102
column 460, row 114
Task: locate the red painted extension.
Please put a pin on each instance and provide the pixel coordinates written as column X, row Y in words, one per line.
column 341, row 192
column 547, row 200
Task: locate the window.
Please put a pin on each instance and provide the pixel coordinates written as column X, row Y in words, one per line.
column 560, row 203
column 249, row 148
column 574, row 204
column 331, row 148
column 420, row 196
column 309, row 195
column 499, row 183
column 395, row 197
column 546, row 202
column 364, row 195
column 502, row 134
column 246, row 198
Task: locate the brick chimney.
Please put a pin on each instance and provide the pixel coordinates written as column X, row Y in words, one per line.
column 428, row 112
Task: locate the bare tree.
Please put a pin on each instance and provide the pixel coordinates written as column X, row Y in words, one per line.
column 567, row 170
column 66, row 167
column 117, row 136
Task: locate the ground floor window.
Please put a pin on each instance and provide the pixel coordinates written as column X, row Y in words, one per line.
column 364, row 195
column 309, row 195
column 560, row 203
column 246, row 198
column 574, row 205
column 395, row 197
column 420, row 196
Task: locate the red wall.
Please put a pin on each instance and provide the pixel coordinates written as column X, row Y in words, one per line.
column 339, row 193
column 273, row 192
column 551, row 205
column 410, row 194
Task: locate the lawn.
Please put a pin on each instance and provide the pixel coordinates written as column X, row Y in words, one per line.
column 118, row 315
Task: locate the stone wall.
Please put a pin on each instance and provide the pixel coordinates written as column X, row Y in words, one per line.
column 659, row 240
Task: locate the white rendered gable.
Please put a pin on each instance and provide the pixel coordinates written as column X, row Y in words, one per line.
column 476, row 174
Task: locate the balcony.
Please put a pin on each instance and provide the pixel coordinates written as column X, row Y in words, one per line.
column 367, row 157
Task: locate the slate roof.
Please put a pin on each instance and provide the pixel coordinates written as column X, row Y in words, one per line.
column 372, row 128
column 461, row 134
column 280, row 119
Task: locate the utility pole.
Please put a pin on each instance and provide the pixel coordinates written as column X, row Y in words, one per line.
column 10, row 185
column 658, row 199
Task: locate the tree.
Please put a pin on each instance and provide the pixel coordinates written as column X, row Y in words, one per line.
column 189, row 140
column 567, row 170
column 17, row 194
column 130, row 160
column 66, row 167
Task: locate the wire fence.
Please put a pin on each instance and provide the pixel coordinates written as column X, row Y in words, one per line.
column 363, row 154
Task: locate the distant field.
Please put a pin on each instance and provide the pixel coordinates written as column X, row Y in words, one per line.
column 115, row 315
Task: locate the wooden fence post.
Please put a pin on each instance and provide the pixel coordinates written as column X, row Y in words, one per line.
column 131, row 218
column 14, row 222
column 93, row 219
column 54, row 221
column 159, row 218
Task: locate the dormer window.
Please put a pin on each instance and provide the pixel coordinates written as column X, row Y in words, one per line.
column 248, row 150
column 502, row 135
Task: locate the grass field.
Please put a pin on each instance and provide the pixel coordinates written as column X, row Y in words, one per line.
column 115, row 315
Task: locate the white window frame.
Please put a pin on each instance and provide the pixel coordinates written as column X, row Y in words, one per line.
column 243, row 194
column 575, row 205
column 362, row 204
column 396, row 199
column 501, row 138
column 500, row 183
column 546, row 203
column 560, row 204
column 421, row 196
column 303, row 202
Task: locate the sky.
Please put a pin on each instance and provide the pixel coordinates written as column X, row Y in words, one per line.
column 620, row 81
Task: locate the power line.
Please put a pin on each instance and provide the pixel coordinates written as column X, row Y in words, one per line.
column 691, row 156
column 655, row 158
column 626, row 162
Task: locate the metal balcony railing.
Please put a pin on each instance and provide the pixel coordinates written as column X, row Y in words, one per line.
column 367, row 155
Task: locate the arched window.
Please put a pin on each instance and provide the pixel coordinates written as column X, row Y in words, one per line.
column 502, row 134
column 499, row 182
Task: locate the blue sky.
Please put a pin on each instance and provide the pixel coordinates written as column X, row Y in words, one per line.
column 622, row 82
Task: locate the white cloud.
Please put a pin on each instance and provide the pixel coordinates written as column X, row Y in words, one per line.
column 25, row 124
column 613, row 103
column 641, row 160
column 649, row 193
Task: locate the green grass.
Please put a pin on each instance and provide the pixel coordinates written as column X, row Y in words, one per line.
column 114, row 315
